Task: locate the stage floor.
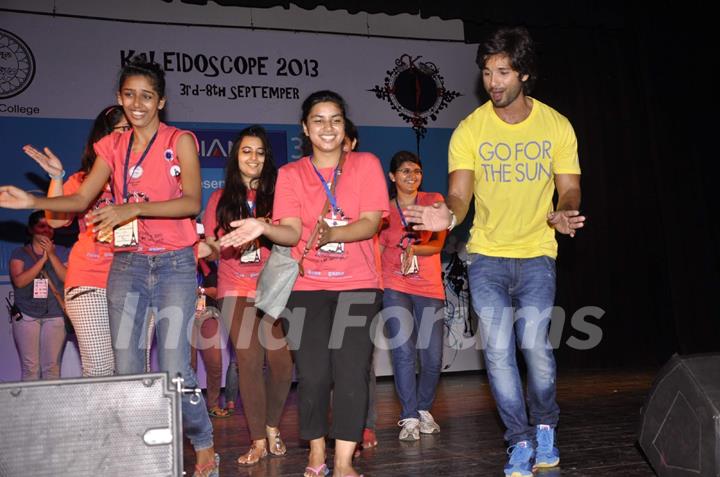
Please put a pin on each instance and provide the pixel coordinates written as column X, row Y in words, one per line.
column 600, row 412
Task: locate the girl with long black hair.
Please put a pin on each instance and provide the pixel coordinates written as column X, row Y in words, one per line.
column 248, row 193
column 154, row 172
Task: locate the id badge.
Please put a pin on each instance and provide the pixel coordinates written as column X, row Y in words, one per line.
column 336, row 248
column 126, row 236
column 104, row 237
column 201, row 303
column 413, row 268
column 251, row 255
column 40, row 288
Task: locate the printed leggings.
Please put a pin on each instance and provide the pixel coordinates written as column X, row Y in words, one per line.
column 88, row 311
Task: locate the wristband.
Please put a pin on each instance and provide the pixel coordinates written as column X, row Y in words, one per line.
column 453, row 221
column 59, row 176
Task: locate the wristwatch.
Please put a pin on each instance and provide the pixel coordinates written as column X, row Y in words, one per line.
column 453, row 220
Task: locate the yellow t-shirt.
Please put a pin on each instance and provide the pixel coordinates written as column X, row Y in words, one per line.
column 514, row 166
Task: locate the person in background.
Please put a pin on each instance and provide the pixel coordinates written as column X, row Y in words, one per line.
column 232, row 386
column 369, row 439
column 414, row 298
column 90, row 258
column 206, row 336
column 248, row 193
column 37, row 271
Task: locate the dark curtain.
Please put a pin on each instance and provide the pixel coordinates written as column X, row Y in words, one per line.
column 641, row 99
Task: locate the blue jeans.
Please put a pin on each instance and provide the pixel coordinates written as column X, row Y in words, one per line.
column 513, row 297
column 414, row 325
column 164, row 285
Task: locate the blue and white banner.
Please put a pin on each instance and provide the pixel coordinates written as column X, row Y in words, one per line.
column 56, row 74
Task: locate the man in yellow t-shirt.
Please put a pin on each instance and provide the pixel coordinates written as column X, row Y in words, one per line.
column 511, row 154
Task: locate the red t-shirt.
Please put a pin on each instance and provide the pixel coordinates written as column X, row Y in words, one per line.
column 361, row 188
column 157, row 179
column 235, row 276
column 428, row 281
column 89, row 261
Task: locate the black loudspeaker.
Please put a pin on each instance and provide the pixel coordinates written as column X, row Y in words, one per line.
column 680, row 419
column 114, row 426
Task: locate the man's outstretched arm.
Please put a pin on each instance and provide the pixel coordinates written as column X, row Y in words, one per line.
column 439, row 216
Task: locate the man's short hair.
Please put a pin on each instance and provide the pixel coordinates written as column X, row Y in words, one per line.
column 518, row 46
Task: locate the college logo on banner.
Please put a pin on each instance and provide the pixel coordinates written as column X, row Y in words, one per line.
column 416, row 90
column 17, row 65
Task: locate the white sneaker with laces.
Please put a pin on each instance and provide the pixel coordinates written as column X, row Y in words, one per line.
column 427, row 423
column 410, row 429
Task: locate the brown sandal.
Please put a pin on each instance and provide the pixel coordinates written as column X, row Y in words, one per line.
column 276, row 446
column 217, row 411
column 253, row 455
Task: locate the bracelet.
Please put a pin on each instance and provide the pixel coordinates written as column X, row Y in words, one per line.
column 453, row 221
column 59, row 176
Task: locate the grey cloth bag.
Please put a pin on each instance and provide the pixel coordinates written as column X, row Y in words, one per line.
column 277, row 278
column 276, row 281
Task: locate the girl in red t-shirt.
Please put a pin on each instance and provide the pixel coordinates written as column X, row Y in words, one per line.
column 414, row 298
column 333, row 304
column 154, row 173
column 249, row 189
column 89, row 261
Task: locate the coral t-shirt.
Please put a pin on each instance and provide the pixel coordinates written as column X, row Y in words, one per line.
column 156, row 179
column 299, row 192
column 89, row 261
column 237, row 276
column 427, row 281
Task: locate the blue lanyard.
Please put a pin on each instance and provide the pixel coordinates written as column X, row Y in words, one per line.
column 127, row 162
column 251, row 207
column 330, row 195
column 400, row 212
column 408, row 238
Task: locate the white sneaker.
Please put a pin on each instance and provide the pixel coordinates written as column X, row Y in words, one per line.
column 427, row 423
column 410, row 429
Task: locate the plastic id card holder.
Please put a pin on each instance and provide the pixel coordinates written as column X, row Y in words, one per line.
column 335, row 248
column 125, row 237
column 40, row 288
column 200, row 304
column 251, row 255
column 413, row 267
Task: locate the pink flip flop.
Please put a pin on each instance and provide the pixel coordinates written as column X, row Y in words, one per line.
column 319, row 471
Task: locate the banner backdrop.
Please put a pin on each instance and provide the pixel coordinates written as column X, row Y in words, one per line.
column 57, row 73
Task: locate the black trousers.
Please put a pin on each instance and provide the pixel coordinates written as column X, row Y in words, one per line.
column 333, row 350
